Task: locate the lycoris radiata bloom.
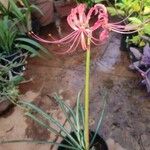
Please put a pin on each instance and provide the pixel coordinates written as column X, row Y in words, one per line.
column 79, row 20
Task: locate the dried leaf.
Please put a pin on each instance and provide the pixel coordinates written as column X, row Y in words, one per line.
column 146, row 55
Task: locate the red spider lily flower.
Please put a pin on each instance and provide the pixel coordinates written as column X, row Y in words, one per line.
column 116, row 27
column 104, row 35
column 79, row 21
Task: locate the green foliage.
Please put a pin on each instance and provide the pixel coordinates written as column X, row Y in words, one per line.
column 21, row 15
column 74, row 118
column 147, row 29
column 137, row 13
column 8, row 34
column 11, row 40
column 90, row 3
column 8, row 84
column 135, row 20
column 4, row 11
column 29, row 45
column 136, row 39
column 113, row 11
column 139, row 9
column 15, row 22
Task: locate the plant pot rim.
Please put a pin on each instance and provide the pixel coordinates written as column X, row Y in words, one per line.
column 97, row 138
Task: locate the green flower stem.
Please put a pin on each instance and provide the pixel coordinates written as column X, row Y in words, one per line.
column 86, row 100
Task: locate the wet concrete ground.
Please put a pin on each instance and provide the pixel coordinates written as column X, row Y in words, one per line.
column 126, row 119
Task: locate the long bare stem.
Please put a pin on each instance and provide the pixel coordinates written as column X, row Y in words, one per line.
column 86, row 100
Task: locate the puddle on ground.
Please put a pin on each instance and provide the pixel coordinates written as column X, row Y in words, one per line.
column 111, row 55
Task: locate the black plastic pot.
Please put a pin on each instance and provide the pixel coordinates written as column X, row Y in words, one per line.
column 17, row 58
column 98, row 144
column 35, row 25
column 124, row 45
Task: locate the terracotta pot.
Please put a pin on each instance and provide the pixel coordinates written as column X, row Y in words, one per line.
column 46, row 6
column 63, row 8
column 4, row 106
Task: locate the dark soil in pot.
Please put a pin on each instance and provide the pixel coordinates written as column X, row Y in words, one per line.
column 98, row 144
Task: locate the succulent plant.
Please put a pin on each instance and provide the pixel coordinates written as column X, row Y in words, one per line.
column 142, row 64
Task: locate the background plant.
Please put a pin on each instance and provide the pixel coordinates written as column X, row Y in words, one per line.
column 20, row 13
column 79, row 21
column 90, row 3
column 15, row 45
column 74, row 117
column 142, row 62
column 9, row 84
column 136, row 12
column 11, row 40
column 74, row 121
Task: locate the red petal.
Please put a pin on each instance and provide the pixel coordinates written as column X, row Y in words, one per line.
column 104, row 35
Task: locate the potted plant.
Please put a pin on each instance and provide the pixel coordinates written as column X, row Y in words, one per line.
column 8, row 87
column 8, row 94
column 78, row 119
column 80, row 137
column 73, row 138
column 14, row 46
column 136, row 12
column 83, row 33
column 20, row 13
column 142, row 62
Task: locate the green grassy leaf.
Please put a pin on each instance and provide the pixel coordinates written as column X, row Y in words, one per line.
column 113, row 11
column 101, row 116
column 37, row 142
column 33, row 43
column 134, row 20
column 65, row 111
column 28, row 48
column 147, row 29
column 51, row 120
